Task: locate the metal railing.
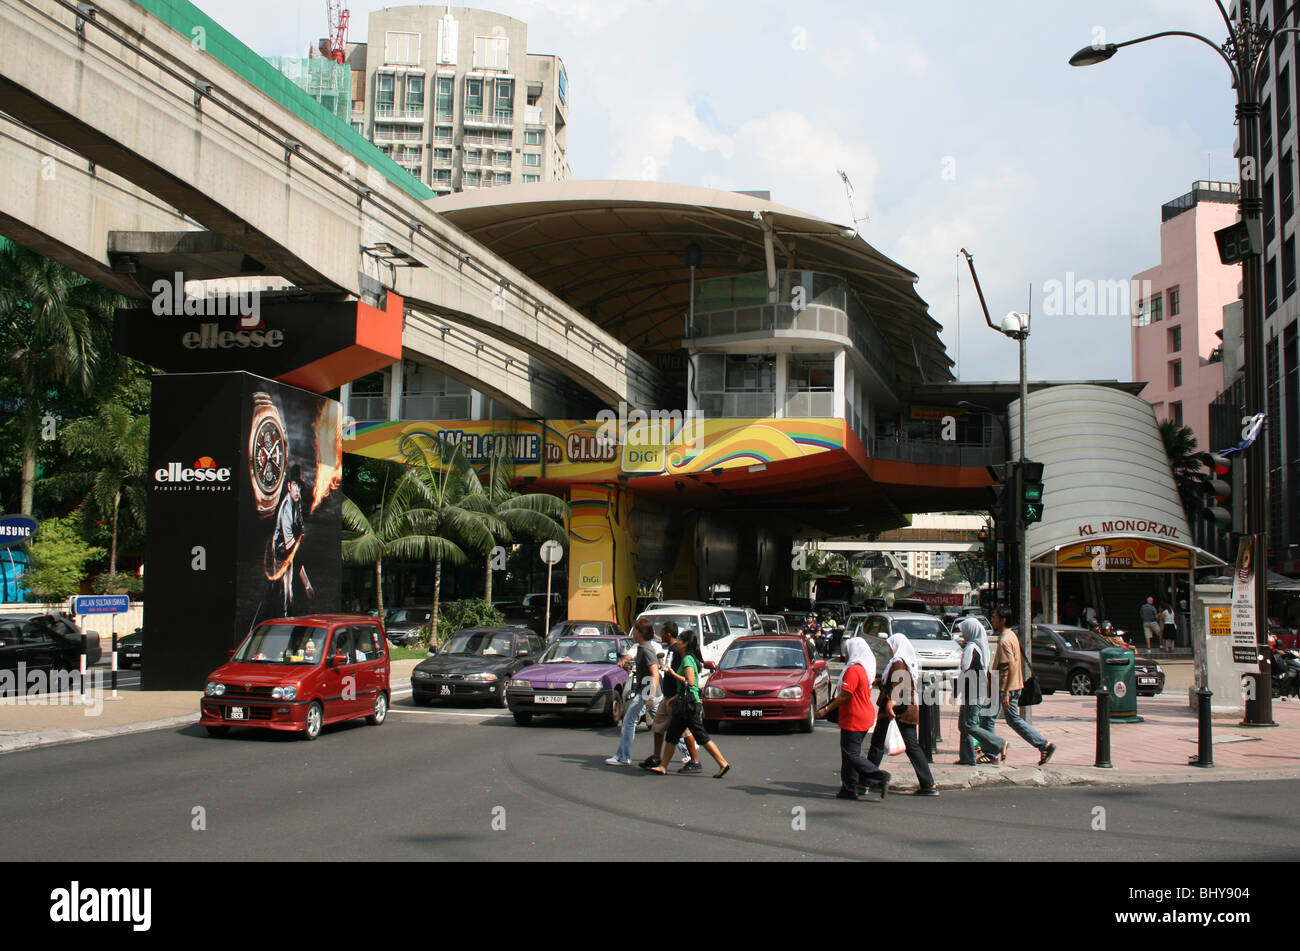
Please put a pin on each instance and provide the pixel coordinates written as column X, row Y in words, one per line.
column 368, row 409
column 810, row 403
column 398, row 135
column 436, row 407
column 738, row 404
column 934, row 452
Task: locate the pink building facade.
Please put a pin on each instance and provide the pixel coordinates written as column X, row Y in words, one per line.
column 1177, row 350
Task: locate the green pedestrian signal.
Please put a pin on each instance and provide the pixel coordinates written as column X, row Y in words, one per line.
column 1031, row 492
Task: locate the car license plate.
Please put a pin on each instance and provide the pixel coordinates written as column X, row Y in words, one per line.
column 1146, row 680
column 236, row 713
column 751, row 713
column 550, row 698
column 444, row 690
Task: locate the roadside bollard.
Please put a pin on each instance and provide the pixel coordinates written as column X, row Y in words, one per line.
column 81, row 663
column 1204, row 731
column 929, row 720
column 1103, row 729
column 114, row 668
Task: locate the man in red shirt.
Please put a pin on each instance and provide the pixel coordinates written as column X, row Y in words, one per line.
column 857, row 718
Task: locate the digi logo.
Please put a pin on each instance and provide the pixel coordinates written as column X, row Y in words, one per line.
column 591, row 575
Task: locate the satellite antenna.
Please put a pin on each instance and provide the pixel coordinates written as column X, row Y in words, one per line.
column 848, row 188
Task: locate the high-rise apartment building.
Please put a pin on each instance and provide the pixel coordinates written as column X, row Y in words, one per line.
column 1177, row 348
column 454, row 96
column 1279, row 142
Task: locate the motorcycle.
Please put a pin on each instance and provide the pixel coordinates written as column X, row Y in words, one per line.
column 1286, row 671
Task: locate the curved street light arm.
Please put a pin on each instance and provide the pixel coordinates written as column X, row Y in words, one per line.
column 970, row 262
column 1263, row 60
column 1227, row 20
column 1232, row 67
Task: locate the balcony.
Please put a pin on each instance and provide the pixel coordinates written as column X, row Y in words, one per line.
column 533, row 115
column 737, row 404
column 936, row 452
column 398, row 135
column 498, row 119
column 803, row 302
column 386, row 110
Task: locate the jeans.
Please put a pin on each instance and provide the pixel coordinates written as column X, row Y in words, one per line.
column 635, row 707
column 854, row 770
column 920, row 765
column 975, row 727
column 1018, row 723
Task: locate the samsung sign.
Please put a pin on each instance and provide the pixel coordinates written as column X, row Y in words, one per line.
column 16, row 530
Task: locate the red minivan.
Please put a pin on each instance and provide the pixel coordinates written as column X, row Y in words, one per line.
column 299, row 674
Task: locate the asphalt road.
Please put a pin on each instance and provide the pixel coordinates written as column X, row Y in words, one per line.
column 470, row 784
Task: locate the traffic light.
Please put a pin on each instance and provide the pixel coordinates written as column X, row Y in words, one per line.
column 1031, row 491
column 1004, row 495
column 1218, row 490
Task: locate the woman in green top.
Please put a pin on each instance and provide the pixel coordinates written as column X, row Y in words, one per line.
column 688, row 711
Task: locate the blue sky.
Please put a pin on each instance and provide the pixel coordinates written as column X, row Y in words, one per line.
column 962, row 127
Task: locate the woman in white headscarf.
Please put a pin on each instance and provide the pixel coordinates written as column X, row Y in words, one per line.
column 858, row 716
column 900, row 701
column 973, row 689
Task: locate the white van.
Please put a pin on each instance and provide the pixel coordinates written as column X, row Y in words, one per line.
column 707, row 620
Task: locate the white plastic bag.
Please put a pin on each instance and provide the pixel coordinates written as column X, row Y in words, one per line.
column 894, row 739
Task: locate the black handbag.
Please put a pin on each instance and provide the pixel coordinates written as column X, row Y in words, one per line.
column 1030, row 695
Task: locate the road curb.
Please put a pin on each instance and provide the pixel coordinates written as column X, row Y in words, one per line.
column 1033, row 777
column 32, row 739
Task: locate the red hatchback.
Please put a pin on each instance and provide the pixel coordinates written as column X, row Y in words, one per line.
column 299, row 674
column 764, row 678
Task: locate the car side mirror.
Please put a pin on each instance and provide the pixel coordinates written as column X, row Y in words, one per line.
column 819, row 665
column 710, row 665
column 339, row 660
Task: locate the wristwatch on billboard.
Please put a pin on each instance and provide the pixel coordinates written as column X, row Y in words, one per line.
column 268, row 453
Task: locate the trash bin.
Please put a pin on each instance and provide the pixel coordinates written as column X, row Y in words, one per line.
column 1119, row 677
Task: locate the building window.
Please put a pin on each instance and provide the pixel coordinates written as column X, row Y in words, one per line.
column 533, row 138
column 384, row 94
column 501, row 178
column 442, row 175
column 1155, row 308
column 1286, row 186
column 491, row 52
column 533, row 159
column 473, row 98
column 500, row 158
column 530, row 179
column 1270, row 285
column 472, row 178
column 402, row 49
column 1175, row 301
column 1176, row 412
column 415, row 94
column 442, row 133
column 1266, row 133
column 1175, row 374
column 472, row 157
column 564, row 88
column 1175, row 339
column 505, row 105
column 1288, row 267
column 444, row 103
column 442, row 155
column 1270, row 211
column 534, row 94
column 1283, row 101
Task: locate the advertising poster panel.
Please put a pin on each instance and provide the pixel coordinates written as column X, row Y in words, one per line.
column 1245, row 650
column 244, row 510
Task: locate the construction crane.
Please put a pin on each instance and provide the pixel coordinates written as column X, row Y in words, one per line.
column 337, row 41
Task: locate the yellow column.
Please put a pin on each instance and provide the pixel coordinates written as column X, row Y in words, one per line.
column 602, row 580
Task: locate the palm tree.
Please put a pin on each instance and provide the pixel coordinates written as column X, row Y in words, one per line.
column 115, row 447
column 368, row 539
column 1180, row 448
column 444, row 513
column 47, row 316
column 535, row 516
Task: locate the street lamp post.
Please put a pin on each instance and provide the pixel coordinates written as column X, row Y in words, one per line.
column 1245, row 52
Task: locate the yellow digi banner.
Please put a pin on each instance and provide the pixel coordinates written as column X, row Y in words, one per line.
column 602, row 582
column 1123, row 554
column 1220, row 617
column 600, row 450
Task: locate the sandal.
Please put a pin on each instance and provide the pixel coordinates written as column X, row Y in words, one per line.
column 985, row 760
column 722, row 772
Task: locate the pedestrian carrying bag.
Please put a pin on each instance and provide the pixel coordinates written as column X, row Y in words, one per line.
column 894, row 739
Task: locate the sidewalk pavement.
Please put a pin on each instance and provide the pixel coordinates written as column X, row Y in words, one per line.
column 1151, row 752
column 42, row 720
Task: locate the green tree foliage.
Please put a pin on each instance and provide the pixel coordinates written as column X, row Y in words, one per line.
column 469, row 612
column 1189, row 476
column 108, row 454
column 532, row 516
column 54, row 324
column 59, row 555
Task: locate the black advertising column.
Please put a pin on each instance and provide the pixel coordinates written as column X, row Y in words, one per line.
column 244, row 516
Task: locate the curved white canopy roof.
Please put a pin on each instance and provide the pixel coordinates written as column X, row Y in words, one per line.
column 1105, row 472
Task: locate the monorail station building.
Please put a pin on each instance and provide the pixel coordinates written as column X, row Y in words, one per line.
column 810, row 393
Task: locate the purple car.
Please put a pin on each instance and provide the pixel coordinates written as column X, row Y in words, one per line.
column 578, row 674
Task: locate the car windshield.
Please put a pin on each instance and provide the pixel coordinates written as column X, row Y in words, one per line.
column 397, row 616
column 299, row 644
column 767, row 655
column 582, row 650
column 921, row 629
column 481, row 644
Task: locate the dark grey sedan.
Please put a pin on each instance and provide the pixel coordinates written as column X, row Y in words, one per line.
column 475, row 664
column 1069, row 658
